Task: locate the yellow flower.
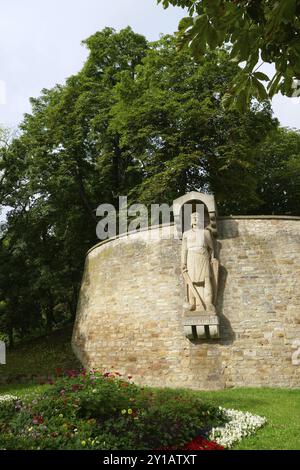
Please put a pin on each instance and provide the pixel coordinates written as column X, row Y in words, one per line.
column 60, row 415
column 129, row 411
column 83, row 443
column 123, row 412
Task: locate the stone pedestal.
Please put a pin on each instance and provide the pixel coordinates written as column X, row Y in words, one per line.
column 201, row 326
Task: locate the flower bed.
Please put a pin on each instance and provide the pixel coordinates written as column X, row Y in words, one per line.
column 105, row 411
column 239, row 425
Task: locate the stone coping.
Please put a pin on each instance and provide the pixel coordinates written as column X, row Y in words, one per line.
column 126, row 234
column 227, row 217
column 258, row 217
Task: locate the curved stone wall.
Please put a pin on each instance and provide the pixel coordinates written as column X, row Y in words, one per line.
column 130, row 309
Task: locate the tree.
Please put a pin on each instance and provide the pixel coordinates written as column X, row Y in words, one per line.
column 257, row 31
column 278, row 173
column 171, row 119
column 54, row 175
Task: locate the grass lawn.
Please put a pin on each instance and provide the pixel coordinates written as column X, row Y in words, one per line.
column 41, row 356
column 281, row 407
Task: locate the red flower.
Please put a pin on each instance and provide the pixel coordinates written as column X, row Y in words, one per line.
column 200, row 443
column 71, row 373
column 38, row 419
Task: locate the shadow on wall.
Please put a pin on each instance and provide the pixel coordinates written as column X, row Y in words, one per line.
column 227, row 228
column 227, row 335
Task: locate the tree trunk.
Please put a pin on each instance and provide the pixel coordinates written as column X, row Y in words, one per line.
column 49, row 318
column 11, row 336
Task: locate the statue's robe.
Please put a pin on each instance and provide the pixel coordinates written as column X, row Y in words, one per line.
column 197, row 246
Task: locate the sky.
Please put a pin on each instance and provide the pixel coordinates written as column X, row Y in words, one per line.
column 40, row 45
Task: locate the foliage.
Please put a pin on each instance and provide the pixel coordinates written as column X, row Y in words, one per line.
column 92, row 411
column 171, row 118
column 278, row 171
column 53, row 176
column 256, row 30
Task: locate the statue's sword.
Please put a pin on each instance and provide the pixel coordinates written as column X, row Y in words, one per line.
column 188, row 280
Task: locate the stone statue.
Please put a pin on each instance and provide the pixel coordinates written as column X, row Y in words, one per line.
column 199, row 267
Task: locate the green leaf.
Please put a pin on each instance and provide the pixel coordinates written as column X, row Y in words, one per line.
column 242, row 100
column 198, row 45
column 273, row 86
column 235, row 51
column 261, row 91
column 212, row 37
column 185, row 23
column 285, row 10
column 227, row 100
column 261, row 76
column 244, row 45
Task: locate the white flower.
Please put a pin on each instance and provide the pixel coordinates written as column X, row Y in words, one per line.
column 240, row 425
column 4, row 398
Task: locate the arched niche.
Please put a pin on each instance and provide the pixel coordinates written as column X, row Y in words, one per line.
column 193, row 198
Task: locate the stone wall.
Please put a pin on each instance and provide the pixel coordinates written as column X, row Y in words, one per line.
column 130, row 310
